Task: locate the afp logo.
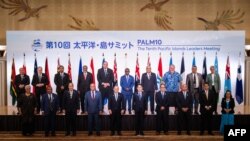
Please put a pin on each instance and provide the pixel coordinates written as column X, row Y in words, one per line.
column 236, row 132
column 36, row 45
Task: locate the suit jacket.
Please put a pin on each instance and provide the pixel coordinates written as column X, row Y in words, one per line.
column 118, row 104
column 224, row 105
column 139, row 105
column 71, row 105
column 83, row 84
column 184, row 103
column 61, row 82
column 93, row 106
column 149, row 84
column 161, row 101
column 190, row 82
column 44, row 80
column 18, row 80
column 206, row 102
column 101, row 77
column 217, row 83
column 48, row 106
column 127, row 84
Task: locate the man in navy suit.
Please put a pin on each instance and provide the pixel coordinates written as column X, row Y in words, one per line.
column 105, row 77
column 162, row 110
column 127, row 83
column 71, row 107
column 61, row 81
column 116, row 110
column 83, row 85
column 184, row 104
column 21, row 80
column 206, row 109
column 93, row 107
column 139, row 107
column 39, row 81
column 149, row 84
column 49, row 107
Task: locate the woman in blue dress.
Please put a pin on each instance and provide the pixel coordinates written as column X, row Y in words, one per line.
column 227, row 110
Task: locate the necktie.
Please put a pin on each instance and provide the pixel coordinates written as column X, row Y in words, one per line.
column 40, row 77
column 22, row 77
column 140, row 96
column 162, row 95
column 148, row 75
column 185, row 95
column 71, row 94
column 127, row 78
column 116, row 96
column 62, row 77
column 194, row 79
column 50, row 101
column 105, row 72
column 207, row 94
column 93, row 95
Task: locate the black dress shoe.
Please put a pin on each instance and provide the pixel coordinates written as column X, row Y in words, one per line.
column 53, row 134
column 188, row 133
column 130, row 112
column 178, row 133
column 67, row 134
column 98, row 134
column 112, row 133
column 166, row 133
column 119, row 133
column 136, row 134
column 46, row 135
column 196, row 113
column 157, row 133
column 201, row 133
column 210, row 133
column 90, row 134
column 142, row 133
column 73, row 134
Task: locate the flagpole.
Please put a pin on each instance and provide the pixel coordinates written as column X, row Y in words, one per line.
column 126, row 65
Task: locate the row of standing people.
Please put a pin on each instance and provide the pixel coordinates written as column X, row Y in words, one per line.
column 105, row 77
column 93, row 107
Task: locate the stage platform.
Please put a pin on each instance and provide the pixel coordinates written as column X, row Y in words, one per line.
column 10, row 121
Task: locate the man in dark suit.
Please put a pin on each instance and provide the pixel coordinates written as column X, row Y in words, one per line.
column 61, row 81
column 83, row 85
column 39, row 81
column 21, row 80
column 127, row 83
column 93, row 107
column 139, row 107
column 206, row 109
column 116, row 110
column 162, row 110
column 194, row 82
column 184, row 104
column 149, row 84
column 105, row 77
column 49, row 107
column 71, row 107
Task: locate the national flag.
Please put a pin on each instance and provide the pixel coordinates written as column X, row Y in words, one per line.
column 115, row 72
column 137, row 73
column 216, row 67
column 159, row 74
column 35, row 72
column 12, row 83
column 171, row 60
column 183, row 69
column 58, row 63
column 92, row 69
column 194, row 62
column 79, row 69
column 69, row 69
column 204, row 69
column 24, row 64
column 227, row 84
column 239, row 85
column 149, row 62
column 103, row 58
column 47, row 70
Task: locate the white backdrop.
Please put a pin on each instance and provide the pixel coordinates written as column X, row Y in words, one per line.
column 142, row 42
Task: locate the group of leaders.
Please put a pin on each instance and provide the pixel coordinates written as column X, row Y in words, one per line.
column 172, row 93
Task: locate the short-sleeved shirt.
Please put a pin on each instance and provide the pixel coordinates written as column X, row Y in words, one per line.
column 172, row 81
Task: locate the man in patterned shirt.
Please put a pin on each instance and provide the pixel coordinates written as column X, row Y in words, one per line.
column 172, row 81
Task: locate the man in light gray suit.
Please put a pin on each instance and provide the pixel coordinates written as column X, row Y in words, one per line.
column 93, row 107
column 213, row 79
column 194, row 82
